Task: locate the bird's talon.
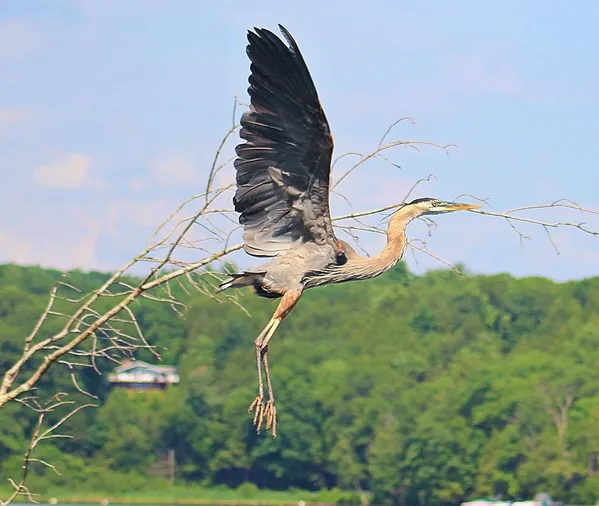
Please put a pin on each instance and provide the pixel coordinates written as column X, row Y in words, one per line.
column 259, row 407
column 258, row 400
column 264, row 412
column 271, row 417
column 260, row 417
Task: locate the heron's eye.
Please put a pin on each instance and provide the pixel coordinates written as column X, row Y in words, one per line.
column 435, row 203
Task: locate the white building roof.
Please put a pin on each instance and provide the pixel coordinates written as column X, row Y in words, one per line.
column 141, row 372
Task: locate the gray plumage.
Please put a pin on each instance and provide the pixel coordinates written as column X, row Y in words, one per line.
column 283, row 167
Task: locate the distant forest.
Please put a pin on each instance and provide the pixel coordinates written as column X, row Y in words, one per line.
column 424, row 390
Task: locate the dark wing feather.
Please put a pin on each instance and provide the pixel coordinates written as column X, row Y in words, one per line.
column 283, row 168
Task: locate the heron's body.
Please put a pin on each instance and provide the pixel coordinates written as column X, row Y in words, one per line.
column 283, row 173
column 309, row 265
column 287, row 271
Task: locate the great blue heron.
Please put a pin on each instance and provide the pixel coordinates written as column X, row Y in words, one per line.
column 283, row 172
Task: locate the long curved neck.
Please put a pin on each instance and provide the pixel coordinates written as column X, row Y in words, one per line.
column 359, row 267
column 395, row 247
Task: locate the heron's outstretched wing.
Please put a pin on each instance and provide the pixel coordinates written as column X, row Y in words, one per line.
column 283, row 167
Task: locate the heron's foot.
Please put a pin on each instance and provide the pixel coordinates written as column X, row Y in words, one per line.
column 258, row 407
column 264, row 412
column 270, row 412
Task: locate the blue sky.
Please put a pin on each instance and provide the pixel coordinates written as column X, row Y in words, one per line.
column 110, row 113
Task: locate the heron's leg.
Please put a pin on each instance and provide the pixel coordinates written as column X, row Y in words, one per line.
column 290, row 299
column 258, row 403
column 270, row 409
column 270, row 412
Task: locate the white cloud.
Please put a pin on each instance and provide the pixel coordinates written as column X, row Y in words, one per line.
column 69, row 173
column 84, row 251
column 16, row 37
column 53, row 245
column 149, row 213
column 172, row 169
column 10, row 116
column 65, row 235
column 13, row 249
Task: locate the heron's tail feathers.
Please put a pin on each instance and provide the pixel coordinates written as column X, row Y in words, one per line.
column 242, row 279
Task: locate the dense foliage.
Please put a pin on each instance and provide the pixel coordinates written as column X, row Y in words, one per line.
column 422, row 389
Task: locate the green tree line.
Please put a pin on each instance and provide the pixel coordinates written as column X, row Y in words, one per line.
column 424, row 389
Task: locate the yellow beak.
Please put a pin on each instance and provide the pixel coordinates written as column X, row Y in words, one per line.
column 462, row 207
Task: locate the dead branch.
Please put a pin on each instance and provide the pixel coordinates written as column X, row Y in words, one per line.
column 38, row 435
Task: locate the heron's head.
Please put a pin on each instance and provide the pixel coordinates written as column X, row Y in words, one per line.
column 429, row 205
